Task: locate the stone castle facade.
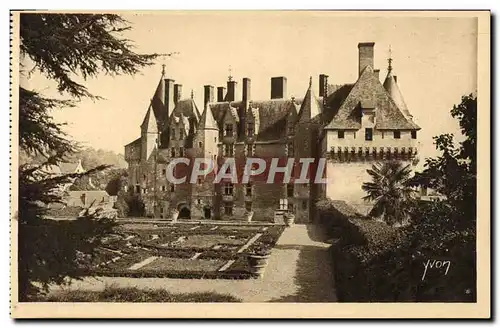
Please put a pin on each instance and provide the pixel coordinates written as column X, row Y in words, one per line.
column 351, row 124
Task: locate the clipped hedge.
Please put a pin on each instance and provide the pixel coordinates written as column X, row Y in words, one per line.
column 375, row 262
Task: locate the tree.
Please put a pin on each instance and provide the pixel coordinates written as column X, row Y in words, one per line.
column 62, row 47
column 390, row 191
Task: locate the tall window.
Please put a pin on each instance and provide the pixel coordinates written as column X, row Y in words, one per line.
column 340, row 134
column 228, row 150
column 172, row 188
column 289, row 190
column 181, row 134
column 172, row 134
column 397, row 134
column 172, row 152
column 414, row 134
column 283, row 204
column 249, row 150
column 229, row 130
column 181, row 151
column 291, row 129
column 248, row 206
column 200, row 181
column 228, row 208
column 164, row 172
column 368, row 134
column 250, row 129
column 163, row 188
column 291, row 150
column 248, row 189
column 228, row 189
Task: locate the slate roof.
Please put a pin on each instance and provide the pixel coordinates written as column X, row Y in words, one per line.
column 311, row 107
column 158, row 102
column 269, row 112
column 392, row 88
column 149, row 122
column 188, row 108
column 207, row 120
column 369, row 89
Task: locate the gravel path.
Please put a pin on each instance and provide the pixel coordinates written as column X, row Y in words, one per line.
column 299, row 270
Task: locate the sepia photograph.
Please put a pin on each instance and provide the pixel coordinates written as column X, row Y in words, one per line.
column 335, row 161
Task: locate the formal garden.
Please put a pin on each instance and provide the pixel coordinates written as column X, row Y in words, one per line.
column 183, row 250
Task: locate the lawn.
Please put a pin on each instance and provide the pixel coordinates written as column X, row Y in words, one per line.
column 180, row 250
column 113, row 294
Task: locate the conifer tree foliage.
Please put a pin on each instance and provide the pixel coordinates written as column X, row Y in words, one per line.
column 67, row 49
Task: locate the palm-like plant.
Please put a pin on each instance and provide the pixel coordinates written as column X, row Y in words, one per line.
column 390, row 191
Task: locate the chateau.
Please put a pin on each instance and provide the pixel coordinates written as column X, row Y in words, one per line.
column 351, row 124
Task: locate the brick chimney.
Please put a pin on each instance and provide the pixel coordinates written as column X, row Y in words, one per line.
column 365, row 55
column 246, row 92
column 169, row 96
column 278, row 87
column 323, row 85
column 177, row 92
column 221, row 94
column 231, row 90
column 208, row 95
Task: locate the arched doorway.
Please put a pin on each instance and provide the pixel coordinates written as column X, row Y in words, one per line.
column 184, row 211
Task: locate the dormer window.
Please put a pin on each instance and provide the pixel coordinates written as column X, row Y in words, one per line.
column 228, row 131
column 250, row 129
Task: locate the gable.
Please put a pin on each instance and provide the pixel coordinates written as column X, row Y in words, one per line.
column 369, row 91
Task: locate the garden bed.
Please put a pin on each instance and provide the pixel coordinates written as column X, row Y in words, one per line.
column 178, row 251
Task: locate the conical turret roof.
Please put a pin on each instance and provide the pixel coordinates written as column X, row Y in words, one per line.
column 310, row 106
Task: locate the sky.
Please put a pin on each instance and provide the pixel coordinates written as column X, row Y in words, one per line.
column 435, row 59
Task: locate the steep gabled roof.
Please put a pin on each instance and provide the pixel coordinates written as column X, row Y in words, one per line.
column 269, row 112
column 188, row 108
column 207, row 120
column 369, row 89
column 149, row 122
column 310, row 107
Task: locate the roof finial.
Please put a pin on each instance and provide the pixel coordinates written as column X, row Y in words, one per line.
column 163, row 69
column 389, row 68
column 230, row 77
column 192, row 94
column 310, row 81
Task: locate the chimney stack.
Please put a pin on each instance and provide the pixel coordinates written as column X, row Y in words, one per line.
column 231, row 90
column 365, row 55
column 246, row 95
column 208, row 95
column 278, row 87
column 221, row 94
column 377, row 73
column 177, row 92
column 169, row 96
column 323, row 85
